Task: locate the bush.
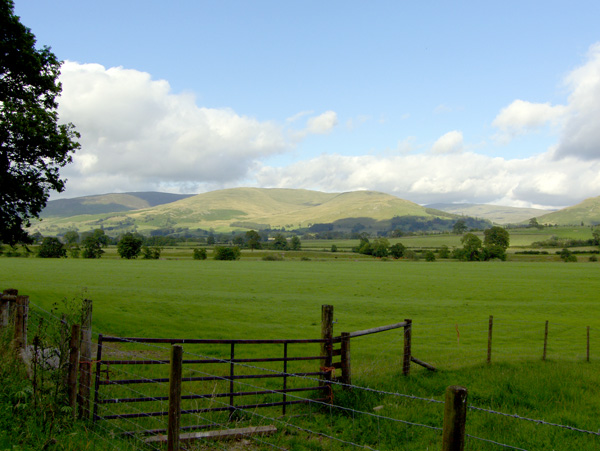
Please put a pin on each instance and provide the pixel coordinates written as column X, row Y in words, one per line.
column 199, row 254
column 272, row 258
column 567, row 256
column 52, row 248
column 227, row 253
column 334, row 248
column 429, row 256
column 129, row 246
column 151, row 253
column 593, row 258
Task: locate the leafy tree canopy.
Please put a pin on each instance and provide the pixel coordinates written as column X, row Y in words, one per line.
column 129, row 246
column 33, row 146
column 51, row 248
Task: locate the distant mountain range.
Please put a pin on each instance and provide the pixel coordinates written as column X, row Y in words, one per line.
column 495, row 213
column 258, row 208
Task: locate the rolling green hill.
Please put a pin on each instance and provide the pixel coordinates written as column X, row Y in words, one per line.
column 586, row 212
column 496, row 213
column 244, row 208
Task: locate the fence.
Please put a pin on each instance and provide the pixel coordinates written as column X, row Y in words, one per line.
column 235, row 366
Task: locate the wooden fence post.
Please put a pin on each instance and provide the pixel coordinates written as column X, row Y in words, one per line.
column 491, row 325
column 545, row 340
column 588, row 343
column 407, row 347
column 455, row 416
column 73, row 366
column 346, row 367
column 21, row 314
column 85, row 373
column 326, row 334
column 173, row 428
column 8, row 296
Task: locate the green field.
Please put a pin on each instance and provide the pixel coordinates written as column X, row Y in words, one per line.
column 449, row 303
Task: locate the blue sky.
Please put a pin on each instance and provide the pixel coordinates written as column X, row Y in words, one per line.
column 432, row 102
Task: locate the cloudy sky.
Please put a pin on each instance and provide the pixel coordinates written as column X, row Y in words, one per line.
column 430, row 101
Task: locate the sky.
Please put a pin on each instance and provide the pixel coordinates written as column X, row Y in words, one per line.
column 432, row 102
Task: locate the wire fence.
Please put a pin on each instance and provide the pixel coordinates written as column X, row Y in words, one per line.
column 350, row 420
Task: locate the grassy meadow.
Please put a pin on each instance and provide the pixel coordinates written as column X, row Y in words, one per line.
column 449, row 303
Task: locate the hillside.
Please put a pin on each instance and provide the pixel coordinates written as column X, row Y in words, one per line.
column 107, row 203
column 246, row 208
column 586, row 212
column 496, row 213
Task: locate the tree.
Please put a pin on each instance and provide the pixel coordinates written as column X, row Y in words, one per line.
column 33, row 146
column 71, row 237
column 92, row 246
column 380, row 248
column 533, row 222
column 495, row 242
column 253, row 239
column 459, row 227
column 295, row 243
column 567, row 256
column 472, row 247
column 151, row 253
column 227, row 253
column 397, row 250
column 496, row 236
column 129, row 246
column 199, row 254
column 429, row 256
column 52, row 248
column 279, row 242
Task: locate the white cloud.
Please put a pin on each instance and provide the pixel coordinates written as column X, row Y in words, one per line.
column 577, row 120
column 427, row 178
column 323, row 123
column 134, row 128
column 451, row 142
column 521, row 117
column 581, row 134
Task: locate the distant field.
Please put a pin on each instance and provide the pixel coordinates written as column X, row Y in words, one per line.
column 449, row 303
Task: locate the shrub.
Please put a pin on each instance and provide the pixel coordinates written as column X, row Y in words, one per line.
column 272, row 258
column 429, row 256
column 151, row 253
column 593, row 258
column 227, row 253
column 199, row 254
column 52, row 248
column 129, row 246
column 334, row 248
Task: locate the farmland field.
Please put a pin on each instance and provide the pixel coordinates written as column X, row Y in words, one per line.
column 449, row 303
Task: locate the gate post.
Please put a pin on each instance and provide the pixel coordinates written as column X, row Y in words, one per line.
column 7, row 297
column 490, row 326
column 73, row 366
column 346, row 369
column 174, row 398
column 21, row 314
column 326, row 346
column 455, row 417
column 85, row 374
column 407, row 347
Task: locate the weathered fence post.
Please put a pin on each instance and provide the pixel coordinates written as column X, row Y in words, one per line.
column 21, row 314
column 327, row 335
column 545, row 340
column 345, row 354
column 8, row 296
column 455, row 416
column 73, row 366
column 491, row 325
column 588, row 343
column 407, row 347
column 173, row 427
column 85, row 372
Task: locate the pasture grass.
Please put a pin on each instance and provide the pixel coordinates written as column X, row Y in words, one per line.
column 449, row 303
